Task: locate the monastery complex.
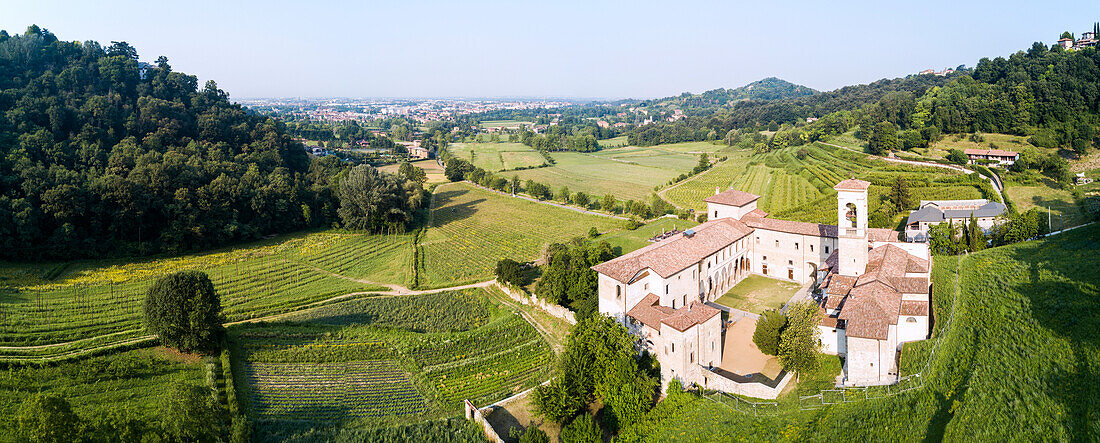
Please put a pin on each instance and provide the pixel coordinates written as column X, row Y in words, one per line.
column 873, row 290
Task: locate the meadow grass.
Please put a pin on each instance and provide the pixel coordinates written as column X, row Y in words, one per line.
column 1064, row 210
column 431, row 168
column 494, row 157
column 757, row 294
column 473, row 228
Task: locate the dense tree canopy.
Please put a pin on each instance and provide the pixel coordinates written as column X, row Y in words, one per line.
column 97, row 159
column 184, row 311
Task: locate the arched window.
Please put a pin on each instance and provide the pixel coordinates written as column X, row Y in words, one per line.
column 618, row 292
column 851, row 215
column 911, row 320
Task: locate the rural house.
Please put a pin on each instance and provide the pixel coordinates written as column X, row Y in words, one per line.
column 934, row 212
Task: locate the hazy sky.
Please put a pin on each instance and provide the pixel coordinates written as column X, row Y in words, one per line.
column 590, row 49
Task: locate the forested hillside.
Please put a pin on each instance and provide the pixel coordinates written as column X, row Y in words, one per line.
column 768, row 89
column 97, row 157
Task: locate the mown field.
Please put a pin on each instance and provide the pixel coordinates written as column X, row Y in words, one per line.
column 1016, row 363
column 495, row 157
column 627, row 173
column 384, row 361
column 73, row 307
column 471, row 229
column 797, row 183
column 132, row 381
column 431, row 168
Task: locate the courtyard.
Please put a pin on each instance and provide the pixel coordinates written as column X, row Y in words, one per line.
column 757, row 294
column 740, row 355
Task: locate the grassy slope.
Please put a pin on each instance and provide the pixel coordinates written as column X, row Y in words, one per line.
column 1018, row 361
column 495, row 157
column 627, row 173
column 473, row 228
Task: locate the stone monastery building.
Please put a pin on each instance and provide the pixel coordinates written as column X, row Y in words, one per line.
column 875, row 289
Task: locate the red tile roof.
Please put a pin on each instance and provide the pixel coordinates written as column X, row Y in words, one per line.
column 914, row 307
column 873, row 302
column 991, row 152
column 882, row 235
column 732, row 197
column 675, row 254
column 757, row 213
column 852, row 184
column 649, row 312
column 791, row 227
column 652, row 314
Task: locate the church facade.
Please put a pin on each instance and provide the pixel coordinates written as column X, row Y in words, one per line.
column 873, row 292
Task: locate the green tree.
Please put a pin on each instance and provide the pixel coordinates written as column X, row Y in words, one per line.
column 530, row 435
column 456, row 169
column 957, row 157
column 563, row 195
column 976, row 240
column 48, row 418
column 184, row 311
column 608, row 202
column 884, row 138
column 581, row 199
column 1066, row 34
column 768, row 330
column 373, row 200
column 899, row 194
column 941, row 239
column 511, row 272
column 410, row 172
column 583, row 429
column 704, row 163
column 800, row 341
column 190, row 414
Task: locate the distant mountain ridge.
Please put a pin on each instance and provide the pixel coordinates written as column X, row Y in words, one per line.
column 767, row 89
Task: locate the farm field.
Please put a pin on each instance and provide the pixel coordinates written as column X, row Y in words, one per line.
column 134, row 381
column 82, row 305
column 627, row 173
column 472, row 229
column 431, row 168
column 1064, row 210
column 494, row 157
column 506, row 124
column 796, row 183
column 613, row 142
column 757, row 294
column 386, row 360
column 1016, row 356
column 626, row 241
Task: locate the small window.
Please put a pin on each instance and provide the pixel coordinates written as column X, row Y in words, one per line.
column 790, row 262
column 715, row 214
column 618, row 292
column 811, row 248
column 777, row 243
column 758, row 239
column 645, row 286
column 826, row 249
column 685, row 303
column 674, row 304
column 674, row 347
column 911, row 320
column 796, row 246
column 666, row 289
column 691, row 357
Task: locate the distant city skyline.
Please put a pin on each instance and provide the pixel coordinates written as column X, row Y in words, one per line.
column 566, row 50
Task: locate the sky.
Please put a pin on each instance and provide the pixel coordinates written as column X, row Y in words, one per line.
column 586, row 49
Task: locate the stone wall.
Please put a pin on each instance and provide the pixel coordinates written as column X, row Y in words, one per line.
column 530, row 299
column 475, row 415
column 711, row 380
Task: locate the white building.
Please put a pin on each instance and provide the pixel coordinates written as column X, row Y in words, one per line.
column 661, row 291
column 1001, row 157
column 934, row 212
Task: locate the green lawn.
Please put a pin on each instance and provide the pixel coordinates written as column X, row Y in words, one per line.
column 495, row 157
column 1064, row 210
column 386, row 360
column 757, row 294
column 627, row 241
column 473, row 228
column 1015, row 356
column 627, row 173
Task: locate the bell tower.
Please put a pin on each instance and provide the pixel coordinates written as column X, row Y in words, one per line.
column 852, row 244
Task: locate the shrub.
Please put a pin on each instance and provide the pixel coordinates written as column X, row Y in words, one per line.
column 48, row 418
column 511, row 272
column 582, row 429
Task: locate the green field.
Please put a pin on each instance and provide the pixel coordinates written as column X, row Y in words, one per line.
column 473, row 228
column 627, row 173
column 494, row 157
column 757, row 294
column 797, row 183
column 1016, row 361
column 386, row 360
column 506, row 124
column 133, row 381
column 625, row 241
column 77, row 306
column 431, row 168
column 1064, row 210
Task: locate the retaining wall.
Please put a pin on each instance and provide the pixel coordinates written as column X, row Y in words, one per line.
column 550, row 308
column 475, row 415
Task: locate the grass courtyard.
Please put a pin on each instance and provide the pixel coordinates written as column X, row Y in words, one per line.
column 757, row 294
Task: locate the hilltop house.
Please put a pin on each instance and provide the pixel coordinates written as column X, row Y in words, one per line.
column 996, row 155
column 934, row 212
column 663, row 293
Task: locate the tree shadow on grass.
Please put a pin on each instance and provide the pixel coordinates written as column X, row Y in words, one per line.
column 447, row 210
column 1064, row 298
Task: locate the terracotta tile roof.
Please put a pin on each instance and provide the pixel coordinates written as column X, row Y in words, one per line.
column 652, row 314
column 873, row 302
column 693, row 314
column 790, row 227
column 675, row 254
column 990, row 152
column 649, row 312
column 852, row 184
column 830, row 322
column 914, row 307
column 917, row 264
column 882, row 235
column 732, row 197
column 757, row 213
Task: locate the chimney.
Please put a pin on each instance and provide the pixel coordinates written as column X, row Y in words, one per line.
column 716, row 191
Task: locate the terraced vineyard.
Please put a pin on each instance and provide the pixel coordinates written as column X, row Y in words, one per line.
column 796, row 183
column 349, row 362
column 473, row 228
column 65, row 309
